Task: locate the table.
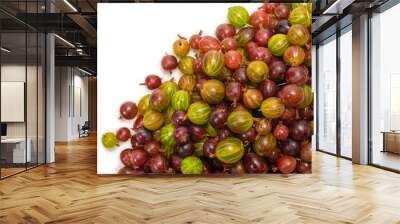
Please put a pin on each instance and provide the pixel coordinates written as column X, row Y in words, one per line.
column 391, row 141
column 13, row 150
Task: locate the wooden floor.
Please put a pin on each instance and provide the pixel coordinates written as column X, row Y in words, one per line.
column 5, row 172
column 387, row 159
column 69, row 191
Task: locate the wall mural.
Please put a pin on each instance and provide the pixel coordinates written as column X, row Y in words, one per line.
column 230, row 94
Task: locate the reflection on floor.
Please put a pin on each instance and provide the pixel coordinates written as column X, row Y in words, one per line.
column 10, row 171
column 387, row 159
column 70, row 191
column 13, row 169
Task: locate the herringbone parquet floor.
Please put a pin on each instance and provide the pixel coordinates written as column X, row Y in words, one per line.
column 69, row 191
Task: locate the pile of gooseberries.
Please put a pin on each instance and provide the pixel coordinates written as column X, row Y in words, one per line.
column 243, row 102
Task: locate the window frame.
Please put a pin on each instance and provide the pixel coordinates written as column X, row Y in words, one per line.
column 381, row 9
column 337, row 34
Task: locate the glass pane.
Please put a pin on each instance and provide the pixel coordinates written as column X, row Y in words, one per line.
column 346, row 94
column 13, row 90
column 385, row 86
column 41, row 98
column 31, row 97
column 327, row 96
column 314, row 87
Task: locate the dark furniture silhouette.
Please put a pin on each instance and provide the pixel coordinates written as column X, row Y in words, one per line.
column 84, row 129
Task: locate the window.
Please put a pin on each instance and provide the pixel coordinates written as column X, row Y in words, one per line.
column 327, row 95
column 385, row 89
column 346, row 92
column 22, row 77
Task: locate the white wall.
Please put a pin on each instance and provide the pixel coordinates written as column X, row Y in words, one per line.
column 16, row 73
column 80, row 110
column 62, row 81
column 71, row 102
column 34, row 125
column 13, row 73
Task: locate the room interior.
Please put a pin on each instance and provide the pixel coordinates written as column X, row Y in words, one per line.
column 49, row 124
column 22, row 102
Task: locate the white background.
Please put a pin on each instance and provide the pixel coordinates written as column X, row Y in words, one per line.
column 13, row 100
column 132, row 38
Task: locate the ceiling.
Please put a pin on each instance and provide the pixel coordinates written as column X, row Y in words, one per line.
column 75, row 22
column 16, row 42
column 336, row 15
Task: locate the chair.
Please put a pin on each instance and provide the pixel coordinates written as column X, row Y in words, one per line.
column 84, row 130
